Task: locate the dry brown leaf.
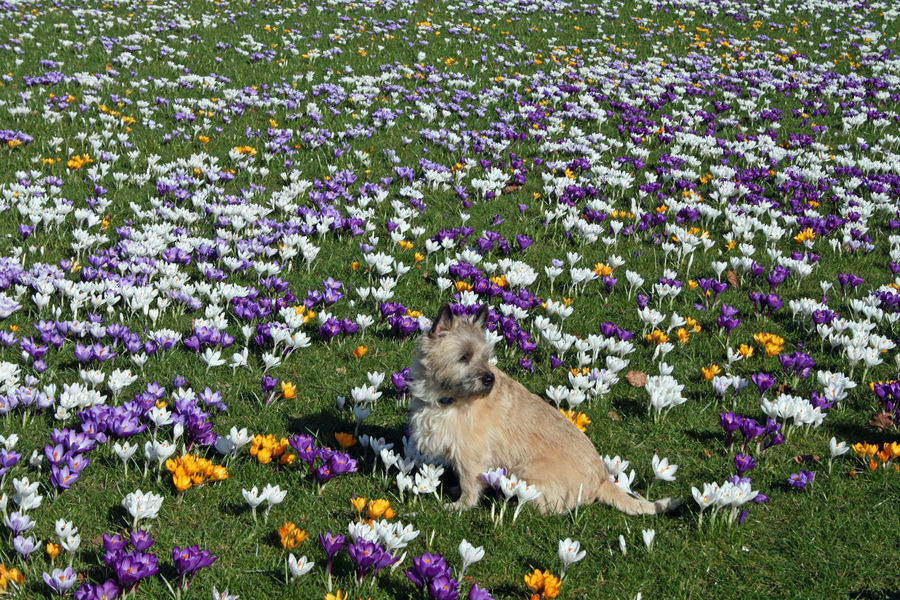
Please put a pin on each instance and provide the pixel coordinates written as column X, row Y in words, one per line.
column 341, row 370
column 882, row 421
column 806, row 459
column 784, row 388
column 707, row 453
column 636, row 378
column 732, row 278
column 614, row 415
column 511, row 188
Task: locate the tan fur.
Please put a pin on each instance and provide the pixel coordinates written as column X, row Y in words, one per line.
column 502, row 425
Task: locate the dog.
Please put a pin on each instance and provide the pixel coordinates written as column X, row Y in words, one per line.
column 467, row 411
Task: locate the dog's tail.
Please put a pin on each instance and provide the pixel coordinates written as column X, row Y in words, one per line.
column 615, row 496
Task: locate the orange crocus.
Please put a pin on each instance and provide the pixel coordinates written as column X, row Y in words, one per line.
column 345, row 440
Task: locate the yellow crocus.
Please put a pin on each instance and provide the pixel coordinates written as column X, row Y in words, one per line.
column 710, row 371
column 535, row 580
column 377, row 508
column 359, row 503
column 288, row 390
column 52, row 550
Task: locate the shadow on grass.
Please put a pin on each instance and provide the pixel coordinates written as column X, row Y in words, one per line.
column 875, row 595
column 325, row 423
column 853, row 433
column 629, row 407
column 711, row 437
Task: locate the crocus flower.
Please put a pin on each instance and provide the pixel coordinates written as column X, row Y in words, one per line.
column 801, row 480
column 142, row 506
column 469, row 555
column 299, row 566
column 730, row 423
column 662, row 469
column 836, row 449
column 18, row 522
column 743, row 463
column 108, row 590
column 569, row 553
column 477, row 593
column 188, row 561
column 25, row 546
column 763, row 382
column 61, row 580
column 648, row 535
column 443, row 587
column 365, row 554
column 332, row 544
column 425, row 568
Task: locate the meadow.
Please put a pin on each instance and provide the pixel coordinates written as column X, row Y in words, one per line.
column 225, row 225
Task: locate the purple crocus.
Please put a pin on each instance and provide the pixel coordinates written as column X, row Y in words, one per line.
column 8, row 458
column 728, row 319
column 776, row 440
column 751, row 430
column 25, row 546
column 801, row 480
column 492, row 477
column 268, row 384
column 103, row 591
column 365, row 554
column 141, row 540
column 305, row 447
column 188, row 561
column 332, row 544
column 18, row 522
column 426, row 568
column 743, row 463
column 61, row 580
column 763, row 382
column 477, row 593
column 443, row 587
column 730, row 423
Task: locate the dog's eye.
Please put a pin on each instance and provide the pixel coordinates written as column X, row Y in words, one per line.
column 464, row 358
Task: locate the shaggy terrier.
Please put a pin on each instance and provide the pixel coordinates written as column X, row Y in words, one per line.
column 475, row 416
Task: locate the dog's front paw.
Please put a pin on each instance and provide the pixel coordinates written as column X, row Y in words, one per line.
column 459, row 505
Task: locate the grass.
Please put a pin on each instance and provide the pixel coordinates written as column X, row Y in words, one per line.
column 839, row 539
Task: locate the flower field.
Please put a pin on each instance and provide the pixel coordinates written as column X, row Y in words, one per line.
column 225, row 225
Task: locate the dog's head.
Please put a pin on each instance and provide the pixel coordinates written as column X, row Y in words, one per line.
column 454, row 358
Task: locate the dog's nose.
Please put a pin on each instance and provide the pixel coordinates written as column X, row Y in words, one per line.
column 487, row 380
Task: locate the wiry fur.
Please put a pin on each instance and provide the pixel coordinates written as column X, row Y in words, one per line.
column 494, row 421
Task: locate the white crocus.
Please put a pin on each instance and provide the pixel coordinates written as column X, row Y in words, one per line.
column 142, row 506
column 273, row 495
column 212, row 358
column 71, row 543
column 569, row 552
column 299, row 566
column 837, row 449
column 254, row 498
column 648, row 535
column 469, row 555
column 662, row 469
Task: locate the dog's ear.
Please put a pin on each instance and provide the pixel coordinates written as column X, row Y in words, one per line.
column 480, row 318
column 442, row 322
